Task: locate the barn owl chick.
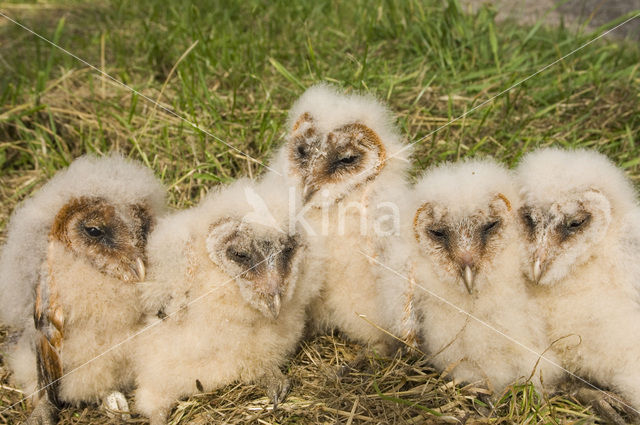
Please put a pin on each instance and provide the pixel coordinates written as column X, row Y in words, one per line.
column 229, row 284
column 342, row 152
column 579, row 223
column 78, row 245
column 459, row 234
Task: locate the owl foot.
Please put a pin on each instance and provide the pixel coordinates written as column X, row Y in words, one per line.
column 277, row 386
column 44, row 413
column 116, row 405
column 605, row 404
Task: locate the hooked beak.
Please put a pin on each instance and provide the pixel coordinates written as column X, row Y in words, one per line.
column 467, row 277
column 538, row 265
column 273, row 303
column 468, row 274
column 538, row 268
column 138, row 271
column 141, row 271
column 272, row 299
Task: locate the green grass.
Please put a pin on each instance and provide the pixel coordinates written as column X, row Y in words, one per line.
column 431, row 61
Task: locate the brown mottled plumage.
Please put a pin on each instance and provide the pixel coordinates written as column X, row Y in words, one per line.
column 110, row 239
column 352, row 153
column 465, row 246
column 343, row 157
column 231, row 288
column 75, row 250
column 580, row 228
column 460, row 247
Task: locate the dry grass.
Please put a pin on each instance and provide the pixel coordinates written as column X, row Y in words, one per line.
column 430, row 62
column 402, row 389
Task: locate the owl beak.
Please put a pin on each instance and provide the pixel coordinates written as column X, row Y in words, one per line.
column 539, row 263
column 139, row 270
column 537, row 269
column 272, row 299
column 467, row 277
column 274, row 305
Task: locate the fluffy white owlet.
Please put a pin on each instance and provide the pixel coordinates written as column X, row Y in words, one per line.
column 343, row 151
column 580, row 225
column 79, row 245
column 226, row 277
column 459, row 233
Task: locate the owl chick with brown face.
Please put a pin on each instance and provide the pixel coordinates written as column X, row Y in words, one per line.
column 460, row 236
column 342, row 153
column 579, row 224
column 84, row 264
column 228, row 282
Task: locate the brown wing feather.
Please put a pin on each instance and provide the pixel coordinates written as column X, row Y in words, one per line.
column 49, row 322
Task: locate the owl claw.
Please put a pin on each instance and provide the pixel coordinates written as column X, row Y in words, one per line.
column 116, row 405
column 280, row 391
column 277, row 387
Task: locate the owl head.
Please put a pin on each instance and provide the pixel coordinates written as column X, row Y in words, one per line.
column 100, row 190
column 262, row 261
column 111, row 236
column 572, row 202
column 462, row 219
column 338, row 144
column 249, row 240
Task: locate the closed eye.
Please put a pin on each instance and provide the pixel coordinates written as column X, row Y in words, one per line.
column 576, row 223
column 438, row 234
column 240, row 257
column 573, row 225
column 349, row 159
column 490, row 227
column 343, row 163
column 527, row 219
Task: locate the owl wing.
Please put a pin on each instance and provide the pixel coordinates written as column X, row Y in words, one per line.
column 49, row 323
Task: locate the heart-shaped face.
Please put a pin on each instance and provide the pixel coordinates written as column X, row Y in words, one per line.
column 262, row 261
column 462, row 246
column 562, row 234
column 112, row 238
column 336, row 162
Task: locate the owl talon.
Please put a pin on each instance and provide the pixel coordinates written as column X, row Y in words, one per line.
column 277, row 387
column 116, row 405
column 44, row 413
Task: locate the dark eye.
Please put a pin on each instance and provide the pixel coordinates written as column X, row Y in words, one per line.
column 286, row 252
column 94, row 232
column 576, row 223
column 349, row 159
column 302, row 151
column 437, row 233
column 528, row 221
column 238, row 256
column 491, row 226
